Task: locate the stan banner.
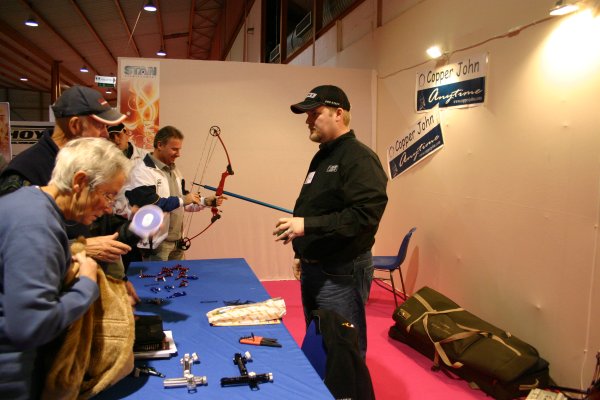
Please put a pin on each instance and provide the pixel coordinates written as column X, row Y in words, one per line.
column 139, row 98
column 420, row 141
column 454, row 85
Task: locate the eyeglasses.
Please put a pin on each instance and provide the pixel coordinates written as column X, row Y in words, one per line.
column 110, row 198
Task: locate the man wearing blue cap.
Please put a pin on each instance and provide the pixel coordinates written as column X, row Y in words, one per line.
column 337, row 212
column 79, row 112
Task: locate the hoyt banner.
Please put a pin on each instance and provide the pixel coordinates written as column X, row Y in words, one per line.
column 25, row 134
column 421, row 140
column 454, row 85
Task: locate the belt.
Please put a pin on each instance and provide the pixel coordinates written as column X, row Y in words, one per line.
column 309, row 261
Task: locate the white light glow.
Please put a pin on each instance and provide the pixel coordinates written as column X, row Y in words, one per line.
column 147, row 220
column 434, row 52
column 563, row 9
column 150, row 6
column 570, row 50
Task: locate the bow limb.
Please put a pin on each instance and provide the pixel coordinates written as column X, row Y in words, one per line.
column 216, row 131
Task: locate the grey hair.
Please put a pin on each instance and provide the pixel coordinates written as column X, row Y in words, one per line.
column 99, row 158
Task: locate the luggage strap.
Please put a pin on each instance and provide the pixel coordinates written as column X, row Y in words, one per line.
column 439, row 350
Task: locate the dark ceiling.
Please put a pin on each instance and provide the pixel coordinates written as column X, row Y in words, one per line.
column 94, row 33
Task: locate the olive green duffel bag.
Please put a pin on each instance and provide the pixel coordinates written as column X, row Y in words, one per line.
column 489, row 358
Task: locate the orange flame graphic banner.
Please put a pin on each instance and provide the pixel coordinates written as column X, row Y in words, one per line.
column 139, row 99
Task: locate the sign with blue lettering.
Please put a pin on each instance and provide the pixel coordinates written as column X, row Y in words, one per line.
column 420, row 141
column 454, row 85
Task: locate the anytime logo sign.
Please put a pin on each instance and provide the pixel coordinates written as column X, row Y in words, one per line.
column 421, row 140
column 454, row 85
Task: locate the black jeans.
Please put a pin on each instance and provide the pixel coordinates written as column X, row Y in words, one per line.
column 342, row 287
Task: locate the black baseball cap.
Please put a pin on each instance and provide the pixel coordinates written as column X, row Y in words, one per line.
column 116, row 128
column 81, row 100
column 326, row 95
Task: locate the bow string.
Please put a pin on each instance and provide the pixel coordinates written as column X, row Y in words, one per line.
column 215, row 132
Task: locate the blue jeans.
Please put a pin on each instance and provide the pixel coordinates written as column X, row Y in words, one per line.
column 342, row 287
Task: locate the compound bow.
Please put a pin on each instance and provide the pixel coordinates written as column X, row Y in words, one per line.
column 185, row 243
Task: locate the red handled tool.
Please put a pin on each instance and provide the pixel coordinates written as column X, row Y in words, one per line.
column 259, row 341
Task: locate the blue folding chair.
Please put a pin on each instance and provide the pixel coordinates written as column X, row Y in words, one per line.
column 314, row 348
column 393, row 263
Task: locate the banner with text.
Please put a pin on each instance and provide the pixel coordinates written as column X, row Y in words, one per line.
column 5, row 148
column 25, row 134
column 454, row 85
column 139, row 98
column 420, row 141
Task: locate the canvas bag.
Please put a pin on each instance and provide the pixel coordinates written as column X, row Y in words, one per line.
column 97, row 349
column 462, row 340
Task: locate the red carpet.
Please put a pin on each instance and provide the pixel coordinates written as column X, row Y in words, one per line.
column 398, row 372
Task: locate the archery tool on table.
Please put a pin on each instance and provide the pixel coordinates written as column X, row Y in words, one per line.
column 188, row 378
column 246, row 378
column 259, row 341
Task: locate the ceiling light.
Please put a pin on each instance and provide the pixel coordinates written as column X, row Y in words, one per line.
column 563, row 7
column 150, row 6
column 434, row 52
column 161, row 53
column 23, row 79
column 108, row 91
column 31, row 22
column 84, row 69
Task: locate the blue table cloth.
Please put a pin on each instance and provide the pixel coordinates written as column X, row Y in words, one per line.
column 218, row 281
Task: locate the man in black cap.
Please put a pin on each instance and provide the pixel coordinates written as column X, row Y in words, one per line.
column 337, row 212
column 79, row 112
column 120, row 135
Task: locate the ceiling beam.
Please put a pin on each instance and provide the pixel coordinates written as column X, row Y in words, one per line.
column 129, row 33
column 57, row 33
column 40, row 54
column 161, row 29
column 191, row 27
column 25, row 56
column 32, row 82
column 9, row 83
column 176, row 35
column 241, row 19
column 91, row 28
column 24, row 69
column 25, row 43
column 199, row 33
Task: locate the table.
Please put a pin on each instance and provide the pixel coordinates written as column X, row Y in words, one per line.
column 218, row 280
